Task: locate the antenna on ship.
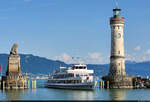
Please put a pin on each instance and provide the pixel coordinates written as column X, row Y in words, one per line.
column 80, row 60
column 77, row 60
column 74, row 60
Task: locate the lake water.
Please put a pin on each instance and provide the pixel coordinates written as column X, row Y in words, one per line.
column 41, row 93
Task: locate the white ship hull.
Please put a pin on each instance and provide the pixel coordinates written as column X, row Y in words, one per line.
column 75, row 77
column 86, row 86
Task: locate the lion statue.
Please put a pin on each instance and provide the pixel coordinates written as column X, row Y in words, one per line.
column 14, row 49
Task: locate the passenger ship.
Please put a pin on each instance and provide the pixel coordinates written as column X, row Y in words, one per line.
column 75, row 77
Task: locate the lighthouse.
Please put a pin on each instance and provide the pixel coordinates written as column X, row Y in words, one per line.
column 117, row 59
column 117, row 77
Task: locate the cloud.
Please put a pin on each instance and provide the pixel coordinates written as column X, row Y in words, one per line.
column 97, row 58
column 148, row 51
column 63, row 57
column 135, row 57
column 129, row 57
column 94, row 58
column 94, row 55
column 137, row 48
column 144, row 58
column 91, row 58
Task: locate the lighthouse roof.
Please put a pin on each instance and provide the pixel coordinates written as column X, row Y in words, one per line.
column 116, row 9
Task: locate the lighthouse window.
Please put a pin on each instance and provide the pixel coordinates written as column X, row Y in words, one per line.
column 77, row 67
column 113, row 27
column 80, row 68
column 118, row 52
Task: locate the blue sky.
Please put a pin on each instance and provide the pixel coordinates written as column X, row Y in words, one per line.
column 61, row 29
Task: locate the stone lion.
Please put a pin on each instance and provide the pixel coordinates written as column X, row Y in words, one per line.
column 14, row 49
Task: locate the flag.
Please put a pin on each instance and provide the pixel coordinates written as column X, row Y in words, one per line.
column 0, row 68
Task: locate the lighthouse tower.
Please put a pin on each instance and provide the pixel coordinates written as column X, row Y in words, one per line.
column 117, row 77
column 117, row 61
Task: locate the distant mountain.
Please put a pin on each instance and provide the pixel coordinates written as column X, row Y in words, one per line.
column 36, row 64
column 33, row 64
column 140, row 68
column 130, row 62
column 99, row 70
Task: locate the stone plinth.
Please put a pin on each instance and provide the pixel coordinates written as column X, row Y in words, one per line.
column 118, row 81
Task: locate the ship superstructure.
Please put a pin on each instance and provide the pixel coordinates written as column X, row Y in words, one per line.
column 75, row 77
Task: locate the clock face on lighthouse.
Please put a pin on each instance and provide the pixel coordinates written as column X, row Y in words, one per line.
column 118, row 35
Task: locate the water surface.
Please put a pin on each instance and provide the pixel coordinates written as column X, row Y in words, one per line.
column 41, row 93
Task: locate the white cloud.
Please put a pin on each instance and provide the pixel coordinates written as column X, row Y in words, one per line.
column 94, row 55
column 129, row 57
column 91, row 58
column 137, row 48
column 63, row 57
column 144, row 58
column 94, row 58
column 135, row 57
column 148, row 51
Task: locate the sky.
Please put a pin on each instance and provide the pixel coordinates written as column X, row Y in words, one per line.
column 62, row 29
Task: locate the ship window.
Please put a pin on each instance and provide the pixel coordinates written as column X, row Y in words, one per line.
column 77, row 75
column 72, row 81
column 71, row 75
column 76, row 67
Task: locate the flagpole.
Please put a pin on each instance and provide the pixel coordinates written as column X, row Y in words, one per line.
column 1, row 70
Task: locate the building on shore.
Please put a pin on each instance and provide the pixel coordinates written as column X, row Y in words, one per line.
column 117, row 77
column 14, row 78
